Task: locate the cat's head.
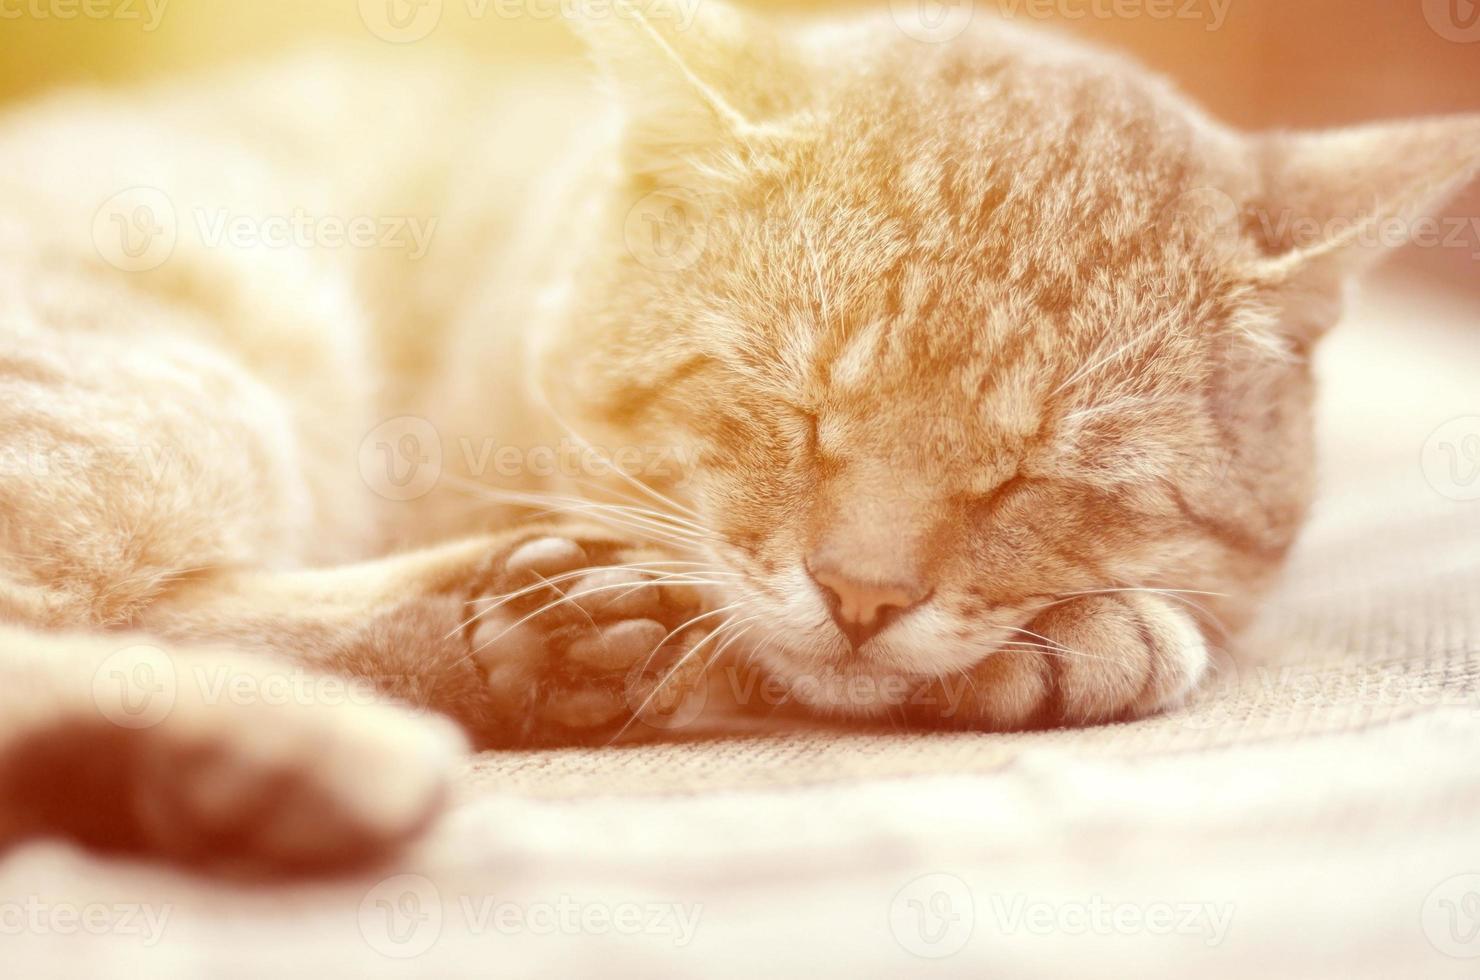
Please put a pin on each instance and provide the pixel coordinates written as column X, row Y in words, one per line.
column 950, row 331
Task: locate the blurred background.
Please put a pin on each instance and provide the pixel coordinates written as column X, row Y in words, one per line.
column 1254, row 63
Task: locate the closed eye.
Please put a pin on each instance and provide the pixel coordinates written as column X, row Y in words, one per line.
column 810, row 424
column 986, row 504
column 806, row 422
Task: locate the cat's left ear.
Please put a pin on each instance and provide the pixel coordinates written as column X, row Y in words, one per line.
column 697, row 79
column 1335, row 203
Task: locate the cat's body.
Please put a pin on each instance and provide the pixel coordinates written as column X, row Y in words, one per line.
column 374, row 327
column 967, row 375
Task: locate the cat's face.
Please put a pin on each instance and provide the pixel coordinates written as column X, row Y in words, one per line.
column 963, row 333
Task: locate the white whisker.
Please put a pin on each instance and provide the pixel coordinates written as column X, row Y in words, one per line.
column 728, row 624
column 642, row 568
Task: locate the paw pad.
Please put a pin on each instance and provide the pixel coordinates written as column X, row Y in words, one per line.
column 582, row 634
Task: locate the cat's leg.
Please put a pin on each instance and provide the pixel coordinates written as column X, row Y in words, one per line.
column 134, row 471
column 154, row 487
column 1102, row 658
column 207, row 756
column 583, row 632
column 541, row 634
column 127, row 464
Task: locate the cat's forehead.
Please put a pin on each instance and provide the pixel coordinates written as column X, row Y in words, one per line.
column 969, row 154
column 962, row 233
column 948, row 221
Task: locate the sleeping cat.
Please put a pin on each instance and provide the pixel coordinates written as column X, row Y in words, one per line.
column 964, row 384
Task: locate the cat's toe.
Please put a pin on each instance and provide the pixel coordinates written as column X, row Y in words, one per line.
column 1120, row 656
column 1103, row 658
column 303, row 793
column 1123, row 656
column 584, row 634
column 582, row 575
column 544, row 557
column 251, row 787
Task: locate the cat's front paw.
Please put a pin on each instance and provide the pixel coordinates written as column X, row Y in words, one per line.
column 249, row 765
column 1090, row 660
column 579, row 632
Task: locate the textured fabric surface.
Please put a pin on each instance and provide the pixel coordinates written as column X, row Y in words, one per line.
column 1315, row 812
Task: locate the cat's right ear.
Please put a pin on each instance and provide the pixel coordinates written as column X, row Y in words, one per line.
column 1335, row 203
column 699, row 80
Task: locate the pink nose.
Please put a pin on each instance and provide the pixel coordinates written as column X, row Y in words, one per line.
column 863, row 609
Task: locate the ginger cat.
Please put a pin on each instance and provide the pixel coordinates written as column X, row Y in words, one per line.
column 966, row 382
